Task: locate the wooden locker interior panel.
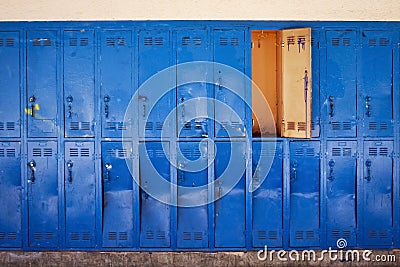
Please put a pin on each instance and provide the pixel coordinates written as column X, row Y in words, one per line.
column 296, row 83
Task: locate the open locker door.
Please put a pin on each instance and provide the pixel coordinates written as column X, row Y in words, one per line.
column 296, row 83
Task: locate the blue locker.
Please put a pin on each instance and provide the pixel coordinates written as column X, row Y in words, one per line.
column 229, row 49
column 340, row 91
column 230, row 208
column 315, row 63
column 304, row 193
column 10, row 192
column 376, row 83
column 80, row 194
column 155, row 215
column 155, row 51
column 377, row 198
column 79, row 83
column 42, row 175
column 341, row 177
column 117, row 195
column 10, row 90
column 192, row 117
column 268, row 198
column 192, row 229
column 41, row 83
column 116, row 80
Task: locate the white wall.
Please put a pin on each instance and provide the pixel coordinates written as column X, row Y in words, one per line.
column 27, row 10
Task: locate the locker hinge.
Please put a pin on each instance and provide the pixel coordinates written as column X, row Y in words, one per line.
column 97, row 156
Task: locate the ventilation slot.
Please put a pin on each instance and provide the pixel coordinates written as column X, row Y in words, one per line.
column 121, row 126
column 198, row 236
column 187, row 236
column 110, row 41
column 159, row 153
column 10, row 41
column 312, row 41
column 346, row 234
column 346, row 126
column 86, row 236
column 273, row 235
column 383, row 151
column 335, row 234
column 2, row 154
column 112, row 236
column 37, row 236
column 74, row 236
column 149, row 126
column 85, row 126
column 299, row 235
column 159, row 126
column 310, row 152
column 336, row 152
column 12, row 236
column 196, row 153
column 148, row 41
column 196, row 41
column 187, row 152
column 110, row 125
column 2, row 236
column 267, row 152
column 10, row 126
column 372, row 42
column 335, row 41
column 383, row 41
column 346, row 42
column 373, row 151
column 85, row 152
column 223, row 41
column 299, row 152
column 336, row 126
column 291, row 126
column 47, row 152
column 47, row 42
column 10, row 152
column 37, row 152
column 49, row 236
column 1, row 126
column 36, row 42
column 74, row 126
column 234, row 41
column 301, row 126
column 262, row 235
column 382, row 234
column 121, row 41
column 185, row 41
column 372, row 234
column 346, row 152
column 159, row 41
column 149, row 235
column 160, row 235
column 122, row 153
column 372, row 126
column 383, row 126
column 123, row 236
column 309, row 235
column 84, row 42
column 290, row 41
column 74, row 152
column 1, row 42
column 73, row 41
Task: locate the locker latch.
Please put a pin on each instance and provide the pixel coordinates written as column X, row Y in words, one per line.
column 32, row 100
column 368, row 106
column 293, row 172
column 106, row 106
column 331, row 106
column 70, row 164
column 32, row 166
column 144, row 99
column 331, row 165
column 108, row 169
column 368, row 164
column 69, row 104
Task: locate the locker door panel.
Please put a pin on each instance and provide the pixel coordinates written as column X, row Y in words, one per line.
column 155, row 215
column 10, row 190
column 267, row 199
column 80, row 194
column 43, row 212
column 377, row 208
column 10, row 118
column 117, row 196
column 79, row 83
column 116, row 80
column 230, row 209
column 154, row 56
column 229, row 49
column 192, row 229
column 341, row 83
column 192, row 45
column 341, row 192
column 41, row 83
column 304, row 194
column 376, row 70
column 296, row 83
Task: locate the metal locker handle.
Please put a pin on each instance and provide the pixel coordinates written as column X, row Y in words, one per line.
column 106, row 106
column 32, row 167
column 293, row 173
column 107, row 176
column 331, row 106
column 70, row 164
column 331, row 165
column 32, row 100
column 368, row 164
column 181, row 176
column 368, row 105
column 70, row 99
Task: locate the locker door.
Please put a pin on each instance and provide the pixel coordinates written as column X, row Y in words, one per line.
column 192, row 221
column 154, row 214
column 80, row 194
column 296, row 83
column 10, row 190
column 192, row 117
column 376, row 68
column 267, row 199
column 377, row 209
column 339, row 93
column 10, row 118
column 117, row 196
column 230, row 209
column 154, row 56
column 116, row 80
column 42, row 174
column 41, row 83
column 304, row 194
column 79, row 83
column 315, row 66
column 229, row 49
column 341, row 178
